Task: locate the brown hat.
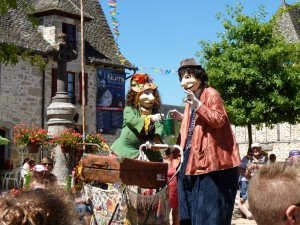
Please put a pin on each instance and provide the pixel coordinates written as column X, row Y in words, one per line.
column 46, row 160
column 190, row 62
column 140, row 82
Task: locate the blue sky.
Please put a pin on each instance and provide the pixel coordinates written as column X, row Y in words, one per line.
column 160, row 33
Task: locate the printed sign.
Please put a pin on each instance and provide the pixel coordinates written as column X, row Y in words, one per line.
column 110, row 100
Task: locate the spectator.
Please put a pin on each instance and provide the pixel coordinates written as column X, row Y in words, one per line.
column 32, row 164
column 83, row 208
column 272, row 158
column 274, row 194
column 25, row 167
column 259, row 158
column 248, row 158
column 38, row 174
column 38, row 207
column 243, row 186
column 49, row 178
column 294, row 156
column 173, row 191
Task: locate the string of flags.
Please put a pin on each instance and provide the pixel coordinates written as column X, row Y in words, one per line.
column 156, row 70
column 112, row 4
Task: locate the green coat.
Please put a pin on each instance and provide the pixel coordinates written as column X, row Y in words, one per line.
column 133, row 135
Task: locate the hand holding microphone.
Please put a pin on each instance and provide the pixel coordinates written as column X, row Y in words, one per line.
column 191, row 99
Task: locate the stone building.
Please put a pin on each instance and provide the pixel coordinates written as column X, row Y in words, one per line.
column 26, row 90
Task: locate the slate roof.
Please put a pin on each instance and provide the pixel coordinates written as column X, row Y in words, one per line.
column 294, row 15
column 15, row 29
column 99, row 41
column 58, row 7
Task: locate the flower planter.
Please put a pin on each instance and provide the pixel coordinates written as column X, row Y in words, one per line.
column 33, row 148
column 66, row 149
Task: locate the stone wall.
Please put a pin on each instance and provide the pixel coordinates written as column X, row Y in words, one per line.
column 279, row 139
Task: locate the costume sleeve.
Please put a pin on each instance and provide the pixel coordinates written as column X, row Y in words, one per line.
column 132, row 119
column 212, row 110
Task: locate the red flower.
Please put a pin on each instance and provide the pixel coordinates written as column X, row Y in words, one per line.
column 139, row 78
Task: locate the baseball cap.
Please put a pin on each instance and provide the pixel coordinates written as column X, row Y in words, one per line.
column 38, row 168
column 294, row 153
column 255, row 145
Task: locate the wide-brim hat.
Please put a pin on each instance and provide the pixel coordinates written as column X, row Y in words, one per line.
column 141, row 82
column 38, row 168
column 255, row 145
column 190, row 62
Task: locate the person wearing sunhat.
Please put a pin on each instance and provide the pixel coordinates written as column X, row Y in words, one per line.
column 294, row 156
column 141, row 119
column 207, row 180
column 38, row 174
column 260, row 158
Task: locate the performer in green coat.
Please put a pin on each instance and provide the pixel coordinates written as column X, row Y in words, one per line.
column 141, row 121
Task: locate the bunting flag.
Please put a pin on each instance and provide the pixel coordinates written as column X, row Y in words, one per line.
column 157, row 70
column 112, row 4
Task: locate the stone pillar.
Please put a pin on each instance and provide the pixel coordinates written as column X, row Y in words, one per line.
column 61, row 111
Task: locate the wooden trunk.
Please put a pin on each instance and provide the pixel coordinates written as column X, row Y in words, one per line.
column 110, row 169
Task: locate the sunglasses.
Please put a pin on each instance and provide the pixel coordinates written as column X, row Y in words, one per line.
column 47, row 164
column 297, row 205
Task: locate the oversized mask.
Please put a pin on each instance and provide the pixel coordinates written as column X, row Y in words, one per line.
column 190, row 82
column 147, row 99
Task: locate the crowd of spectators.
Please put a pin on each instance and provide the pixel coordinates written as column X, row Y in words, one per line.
column 262, row 179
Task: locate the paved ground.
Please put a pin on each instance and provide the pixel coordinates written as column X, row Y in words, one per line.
column 241, row 221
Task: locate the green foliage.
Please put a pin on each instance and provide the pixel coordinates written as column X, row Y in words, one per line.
column 6, row 5
column 254, row 69
column 27, row 180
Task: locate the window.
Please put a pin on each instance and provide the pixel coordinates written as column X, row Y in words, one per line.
column 70, row 84
column 70, row 31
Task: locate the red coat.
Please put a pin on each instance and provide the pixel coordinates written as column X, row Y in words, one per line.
column 213, row 144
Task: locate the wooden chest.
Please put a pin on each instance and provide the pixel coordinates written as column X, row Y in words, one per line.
column 110, row 169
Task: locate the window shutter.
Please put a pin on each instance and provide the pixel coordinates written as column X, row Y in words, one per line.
column 54, row 82
column 85, row 88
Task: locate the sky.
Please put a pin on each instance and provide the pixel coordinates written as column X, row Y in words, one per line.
column 157, row 34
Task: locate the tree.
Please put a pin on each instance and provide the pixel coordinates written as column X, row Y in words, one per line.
column 10, row 53
column 254, row 69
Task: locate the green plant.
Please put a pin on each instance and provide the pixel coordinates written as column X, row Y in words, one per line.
column 96, row 139
column 24, row 135
column 27, row 180
column 69, row 184
column 69, row 138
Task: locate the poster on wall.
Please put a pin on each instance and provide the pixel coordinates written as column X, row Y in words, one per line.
column 110, row 100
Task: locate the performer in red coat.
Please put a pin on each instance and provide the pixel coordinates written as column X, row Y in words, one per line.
column 207, row 181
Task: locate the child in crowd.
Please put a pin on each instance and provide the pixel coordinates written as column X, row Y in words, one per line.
column 243, row 186
column 38, row 174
